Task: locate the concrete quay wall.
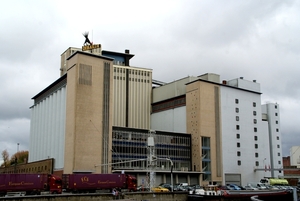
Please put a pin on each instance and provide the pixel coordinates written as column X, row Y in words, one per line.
column 136, row 196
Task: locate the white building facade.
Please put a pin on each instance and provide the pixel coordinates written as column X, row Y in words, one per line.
column 243, row 135
column 47, row 126
column 272, row 120
column 295, row 156
column 250, row 142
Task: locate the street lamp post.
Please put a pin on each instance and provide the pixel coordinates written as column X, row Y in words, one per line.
column 171, row 173
column 16, row 159
column 264, row 166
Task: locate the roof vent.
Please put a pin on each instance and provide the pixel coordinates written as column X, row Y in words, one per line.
column 127, row 51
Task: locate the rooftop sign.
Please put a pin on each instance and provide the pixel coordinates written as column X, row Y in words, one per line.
column 88, row 45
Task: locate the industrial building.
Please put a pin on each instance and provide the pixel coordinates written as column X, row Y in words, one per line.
column 97, row 116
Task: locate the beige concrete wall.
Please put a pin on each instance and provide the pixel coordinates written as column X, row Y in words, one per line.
column 202, row 110
column 84, row 116
column 41, row 167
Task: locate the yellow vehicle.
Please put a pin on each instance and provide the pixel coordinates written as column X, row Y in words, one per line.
column 159, row 189
column 275, row 182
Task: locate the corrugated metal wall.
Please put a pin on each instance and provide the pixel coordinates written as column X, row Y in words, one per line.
column 132, row 97
column 47, row 129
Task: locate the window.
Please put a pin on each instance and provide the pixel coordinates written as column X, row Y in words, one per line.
column 277, row 130
column 255, row 138
column 275, row 106
column 238, row 144
column 237, row 110
column 278, row 154
column 205, row 141
column 254, row 104
column 238, row 136
column 255, row 129
column 276, row 114
column 254, row 113
column 277, row 137
column 256, row 155
column 256, row 163
column 237, row 127
column 279, row 162
column 236, row 101
column 238, row 153
column 276, row 122
column 237, row 118
column 239, row 162
column 278, row 146
column 256, row 146
column 254, row 121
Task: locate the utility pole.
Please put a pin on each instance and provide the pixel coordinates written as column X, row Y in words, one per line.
column 16, row 159
column 151, row 160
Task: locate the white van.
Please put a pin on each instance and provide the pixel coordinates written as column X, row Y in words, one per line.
column 183, row 184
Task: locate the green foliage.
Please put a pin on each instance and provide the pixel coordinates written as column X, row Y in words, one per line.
column 21, row 156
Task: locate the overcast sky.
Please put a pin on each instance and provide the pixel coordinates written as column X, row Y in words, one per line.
column 254, row 39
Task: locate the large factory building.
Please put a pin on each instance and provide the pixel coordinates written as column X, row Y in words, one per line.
column 97, row 117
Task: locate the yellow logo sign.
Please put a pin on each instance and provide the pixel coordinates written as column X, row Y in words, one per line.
column 90, row 47
column 84, row 179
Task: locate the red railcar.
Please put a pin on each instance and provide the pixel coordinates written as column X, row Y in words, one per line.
column 30, row 183
column 92, row 182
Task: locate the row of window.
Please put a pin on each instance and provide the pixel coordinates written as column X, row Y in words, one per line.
column 140, row 137
column 132, row 145
column 238, row 153
column 132, row 79
column 135, row 72
column 206, row 159
column 28, row 170
column 169, row 104
column 256, row 163
column 237, row 118
column 254, row 105
column 255, row 145
column 238, row 128
column 238, row 144
column 237, row 110
column 237, row 102
column 255, row 129
column 238, row 136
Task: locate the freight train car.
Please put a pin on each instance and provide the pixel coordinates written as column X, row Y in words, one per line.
column 78, row 183
column 30, row 184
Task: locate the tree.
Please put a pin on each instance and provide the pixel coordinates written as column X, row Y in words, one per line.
column 5, row 157
column 22, row 157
